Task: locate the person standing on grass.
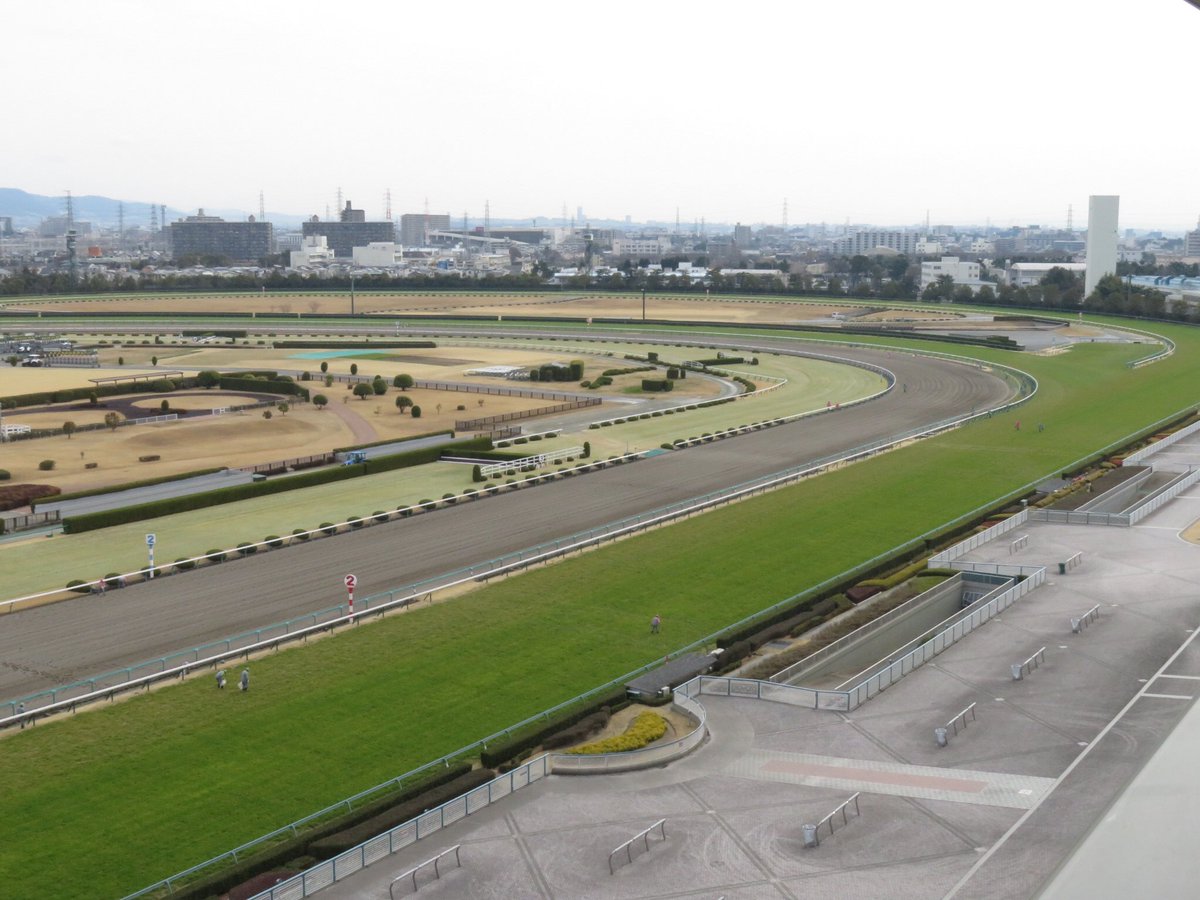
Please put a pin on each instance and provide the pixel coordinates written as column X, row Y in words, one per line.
column 655, row 623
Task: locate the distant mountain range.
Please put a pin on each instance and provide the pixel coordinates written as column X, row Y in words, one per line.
column 28, row 210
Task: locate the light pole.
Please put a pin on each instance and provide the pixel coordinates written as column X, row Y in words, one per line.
column 643, row 304
column 351, row 294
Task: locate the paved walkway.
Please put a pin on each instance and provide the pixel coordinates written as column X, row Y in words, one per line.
column 996, row 814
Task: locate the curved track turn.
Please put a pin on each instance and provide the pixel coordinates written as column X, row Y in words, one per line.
column 75, row 639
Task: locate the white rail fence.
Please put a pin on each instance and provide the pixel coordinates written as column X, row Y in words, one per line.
column 383, row 845
column 1150, row 449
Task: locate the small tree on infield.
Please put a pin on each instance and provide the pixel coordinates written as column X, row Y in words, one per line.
column 403, row 381
column 324, row 366
column 328, row 381
column 320, row 401
column 379, row 386
column 68, row 428
column 362, row 391
column 112, row 420
column 209, row 378
column 283, row 408
column 403, row 402
column 353, row 368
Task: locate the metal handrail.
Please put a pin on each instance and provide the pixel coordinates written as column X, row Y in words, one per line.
column 1029, row 665
column 417, row 868
column 661, row 824
column 953, row 723
column 828, row 820
column 1080, row 623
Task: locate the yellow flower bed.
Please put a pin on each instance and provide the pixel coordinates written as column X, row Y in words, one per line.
column 644, row 729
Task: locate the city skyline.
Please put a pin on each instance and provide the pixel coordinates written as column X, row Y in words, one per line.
column 871, row 114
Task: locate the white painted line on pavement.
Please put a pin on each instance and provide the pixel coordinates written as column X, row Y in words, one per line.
column 1066, row 772
column 1168, row 696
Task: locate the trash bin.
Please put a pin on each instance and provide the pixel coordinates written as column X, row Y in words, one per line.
column 1062, row 568
column 1075, row 626
column 810, row 836
column 939, row 734
column 1016, row 671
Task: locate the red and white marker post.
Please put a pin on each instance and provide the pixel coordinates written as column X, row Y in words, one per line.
column 351, row 582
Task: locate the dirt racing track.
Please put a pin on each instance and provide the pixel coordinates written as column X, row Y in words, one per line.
column 75, row 639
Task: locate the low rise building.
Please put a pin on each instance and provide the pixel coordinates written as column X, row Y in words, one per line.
column 963, row 272
column 1027, row 274
column 314, row 251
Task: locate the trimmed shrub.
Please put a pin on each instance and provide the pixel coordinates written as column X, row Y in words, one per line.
column 5, row 474
column 274, row 541
column 450, row 498
column 399, row 813
column 215, row 556
column 405, row 511
column 46, row 465
column 522, row 740
column 79, row 587
column 246, row 548
column 477, row 473
column 415, row 412
column 328, row 528
column 646, row 728
column 379, row 516
column 427, row 504
column 183, row 564
column 354, row 521
column 301, row 534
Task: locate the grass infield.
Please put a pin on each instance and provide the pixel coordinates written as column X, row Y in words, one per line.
column 115, row 799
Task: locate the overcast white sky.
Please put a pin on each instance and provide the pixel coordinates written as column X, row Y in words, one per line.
column 872, row 111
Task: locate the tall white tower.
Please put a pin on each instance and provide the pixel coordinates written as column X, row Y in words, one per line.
column 1101, row 239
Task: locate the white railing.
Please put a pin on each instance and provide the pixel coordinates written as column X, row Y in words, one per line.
column 643, row 835
column 358, row 858
column 1150, row 449
column 1075, row 517
column 812, row 833
column 1079, row 623
column 817, row 656
column 539, row 459
column 585, row 763
column 1164, row 497
column 941, row 560
column 792, row 695
column 434, row 861
column 1020, row 670
column 913, row 660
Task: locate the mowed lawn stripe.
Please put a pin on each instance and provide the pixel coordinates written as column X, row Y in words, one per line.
column 186, row 773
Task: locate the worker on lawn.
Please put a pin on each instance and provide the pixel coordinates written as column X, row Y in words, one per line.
column 655, row 623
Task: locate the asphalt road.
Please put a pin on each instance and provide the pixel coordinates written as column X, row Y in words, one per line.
column 75, row 639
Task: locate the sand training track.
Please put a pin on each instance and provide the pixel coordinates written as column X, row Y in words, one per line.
column 64, row 642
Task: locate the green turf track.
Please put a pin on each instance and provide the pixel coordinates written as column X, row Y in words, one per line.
column 113, row 800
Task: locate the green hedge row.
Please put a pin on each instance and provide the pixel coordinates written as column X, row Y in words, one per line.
column 415, row 437
column 398, row 814
column 353, row 345
column 131, row 485
column 502, row 751
column 233, row 493
column 261, row 386
column 657, row 384
column 280, row 854
column 43, row 398
column 721, row 361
